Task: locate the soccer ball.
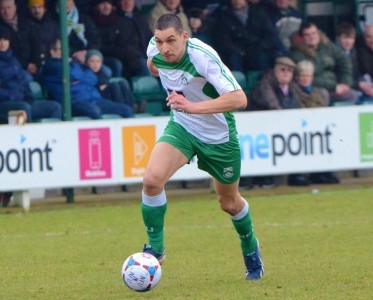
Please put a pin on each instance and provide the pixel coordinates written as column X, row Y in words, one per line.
column 141, row 272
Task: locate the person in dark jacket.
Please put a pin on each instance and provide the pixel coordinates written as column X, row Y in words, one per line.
column 120, row 38
column 22, row 37
column 15, row 92
column 45, row 27
column 86, row 99
column 245, row 37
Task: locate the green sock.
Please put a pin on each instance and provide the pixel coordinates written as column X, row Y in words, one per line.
column 153, row 217
column 245, row 230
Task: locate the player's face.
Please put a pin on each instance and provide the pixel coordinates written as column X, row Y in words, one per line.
column 305, row 78
column 8, row 10
column 171, row 44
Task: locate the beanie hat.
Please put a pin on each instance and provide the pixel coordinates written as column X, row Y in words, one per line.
column 39, row 2
column 93, row 52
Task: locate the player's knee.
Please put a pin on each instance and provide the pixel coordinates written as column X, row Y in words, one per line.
column 152, row 184
column 228, row 205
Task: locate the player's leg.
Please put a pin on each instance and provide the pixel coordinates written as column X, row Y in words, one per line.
column 164, row 161
column 232, row 202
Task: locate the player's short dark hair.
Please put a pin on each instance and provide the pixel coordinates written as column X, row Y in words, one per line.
column 169, row 21
column 347, row 29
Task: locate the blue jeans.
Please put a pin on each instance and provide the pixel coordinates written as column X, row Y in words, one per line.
column 34, row 111
column 94, row 109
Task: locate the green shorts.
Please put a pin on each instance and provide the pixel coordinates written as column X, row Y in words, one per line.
column 221, row 161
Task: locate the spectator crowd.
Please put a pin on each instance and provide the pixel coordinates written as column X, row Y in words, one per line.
column 298, row 65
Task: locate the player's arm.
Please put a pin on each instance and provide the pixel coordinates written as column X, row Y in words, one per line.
column 152, row 68
column 227, row 102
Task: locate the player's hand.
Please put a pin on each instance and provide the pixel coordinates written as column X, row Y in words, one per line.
column 179, row 103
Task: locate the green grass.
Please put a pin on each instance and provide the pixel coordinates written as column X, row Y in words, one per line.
column 313, row 246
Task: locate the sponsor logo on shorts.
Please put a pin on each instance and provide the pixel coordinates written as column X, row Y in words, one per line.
column 228, row 172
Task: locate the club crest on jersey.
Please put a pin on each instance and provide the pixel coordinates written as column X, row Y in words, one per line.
column 184, row 80
column 228, row 172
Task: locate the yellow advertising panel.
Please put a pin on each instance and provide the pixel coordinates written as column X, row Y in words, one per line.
column 138, row 142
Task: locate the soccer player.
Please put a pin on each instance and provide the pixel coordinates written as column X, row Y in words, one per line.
column 202, row 93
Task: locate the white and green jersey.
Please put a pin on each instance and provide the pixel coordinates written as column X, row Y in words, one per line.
column 200, row 76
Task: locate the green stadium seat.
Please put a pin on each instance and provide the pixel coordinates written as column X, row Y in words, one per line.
column 148, row 88
column 253, row 77
column 37, row 90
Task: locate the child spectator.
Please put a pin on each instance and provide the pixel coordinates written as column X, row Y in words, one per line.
column 86, row 99
column 15, row 92
column 118, row 91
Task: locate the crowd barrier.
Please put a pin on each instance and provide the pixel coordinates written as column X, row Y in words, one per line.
column 115, row 152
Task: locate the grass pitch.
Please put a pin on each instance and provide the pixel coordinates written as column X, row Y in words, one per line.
column 314, row 246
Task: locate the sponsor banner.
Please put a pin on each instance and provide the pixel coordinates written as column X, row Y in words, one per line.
column 110, row 152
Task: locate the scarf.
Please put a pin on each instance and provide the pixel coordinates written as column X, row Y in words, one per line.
column 73, row 24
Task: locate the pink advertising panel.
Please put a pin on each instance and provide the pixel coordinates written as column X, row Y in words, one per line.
column 95, row 153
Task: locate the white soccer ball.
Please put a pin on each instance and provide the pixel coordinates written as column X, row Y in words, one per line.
column 141, row 272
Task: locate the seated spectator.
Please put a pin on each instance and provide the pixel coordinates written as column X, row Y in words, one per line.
column 286, row 19
column 346, row 36
column 46, row 28
column 199, row 25
column 15, row 92
column 86, row 99
column 22, row 37
column 333, row 70
column 311, row 96
column 120, row 39
column 117, row 91
column 364, row 49
column 245, row 37
column 81, row 31
column 276, row 90
column 168, row 7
